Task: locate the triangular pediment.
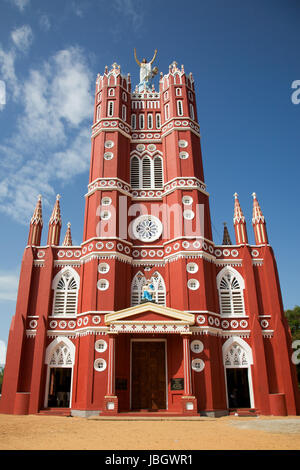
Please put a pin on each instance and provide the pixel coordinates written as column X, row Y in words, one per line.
column 150, row 312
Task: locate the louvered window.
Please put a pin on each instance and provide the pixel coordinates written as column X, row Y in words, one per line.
column 135, row 172
column 150, row 121
column 124, row 112
column 158, row 121
column 192, row 114
column 142, row 121
column 179, row 108
column 146, row 172
column 231, row 295
column 133, row 121
column 65, row 295
column 110, row 109
column 158, row 176
column 98, row 112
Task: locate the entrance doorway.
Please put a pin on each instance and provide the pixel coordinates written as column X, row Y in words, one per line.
column 238, row 388
column 59, row 387
column 148, row 386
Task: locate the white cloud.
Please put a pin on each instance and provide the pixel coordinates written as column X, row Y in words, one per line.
column 132, row 9
column 52, row 138
column 44, row 22
column 22, row 37
column 2, row 352
column 9, row 285
column 21, row 4
column 2, row 94
column 7, row 72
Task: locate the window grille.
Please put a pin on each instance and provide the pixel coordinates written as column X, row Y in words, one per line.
column 65, row 295
column 231, row 295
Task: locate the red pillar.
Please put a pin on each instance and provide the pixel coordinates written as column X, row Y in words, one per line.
column 189, row 402
column 110, row 399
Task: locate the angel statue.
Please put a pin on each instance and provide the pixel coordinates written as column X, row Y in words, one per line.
column 146, row 71
column 148, row 289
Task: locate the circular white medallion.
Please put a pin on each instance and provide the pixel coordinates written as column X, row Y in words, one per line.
column 103, row 268
column 100, row 365
column 147, row 228
column 192, row 267
column 187, row 200
column 198, row 365
column 103, row 284
column 100, row 345
column 193, row 284
column 197, row 346
column 108, row 144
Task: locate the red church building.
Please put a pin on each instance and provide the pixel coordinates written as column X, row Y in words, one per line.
column 148, row 313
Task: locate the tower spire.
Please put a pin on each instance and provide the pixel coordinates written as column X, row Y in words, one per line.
column 259, row 224
column 226, row 236
column 239, row 223
column 55, row 224
column 36, row 224
column 68, row 237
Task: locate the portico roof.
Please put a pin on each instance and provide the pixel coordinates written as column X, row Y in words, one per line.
column 149, row 312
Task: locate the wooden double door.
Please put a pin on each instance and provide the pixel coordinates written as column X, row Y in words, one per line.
column 148, row 375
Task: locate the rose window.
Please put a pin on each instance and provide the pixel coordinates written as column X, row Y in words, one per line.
column 147, row 228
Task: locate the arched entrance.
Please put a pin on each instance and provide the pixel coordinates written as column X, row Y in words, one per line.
column 59, row 359
column 237, row 360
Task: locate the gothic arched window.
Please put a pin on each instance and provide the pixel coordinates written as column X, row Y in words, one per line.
column 146, row 173
column 230, row 285
column 158, row 173
column 135, row 172
column 159, row 289
column 65, row 285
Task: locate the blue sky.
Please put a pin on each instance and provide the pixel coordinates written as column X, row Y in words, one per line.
column 244, row 57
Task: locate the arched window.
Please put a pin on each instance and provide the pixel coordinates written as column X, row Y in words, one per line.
column 124, row 112
column 230, row 285
column 167, row 115
column 110, row 109
column 98, row 112
column 158, row 174
column 192, row 113
column 158, row 292
column 65, row 285
column 146, row 173
column 150, row 121
column 142, row 121
column 135, row 172
column 179, row 108
column 157, row 120
column 146, row 165
column 133, row 121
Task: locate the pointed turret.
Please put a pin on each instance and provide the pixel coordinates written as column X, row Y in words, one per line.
column 55, row 224
column 259, row 224
column 239, row 223
column 226, row 236
column 68, row 237
column 36, row 225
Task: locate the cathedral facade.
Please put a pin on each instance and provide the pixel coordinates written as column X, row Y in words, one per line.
column 148, row 314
